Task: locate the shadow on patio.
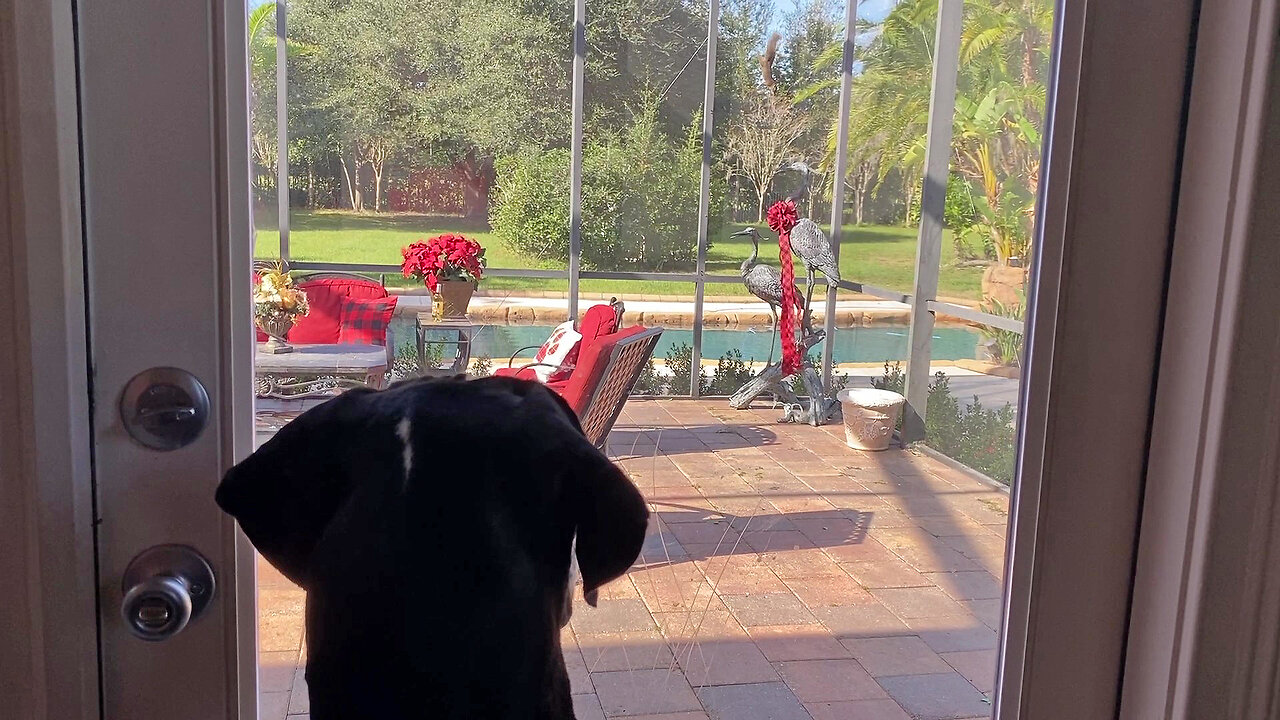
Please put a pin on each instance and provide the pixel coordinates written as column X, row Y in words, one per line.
column 784, row 576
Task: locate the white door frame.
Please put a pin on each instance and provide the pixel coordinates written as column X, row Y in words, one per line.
column 168, row 245
column 1109, row 186
column 52, row 626
column 1205, row 635
column 48, row 617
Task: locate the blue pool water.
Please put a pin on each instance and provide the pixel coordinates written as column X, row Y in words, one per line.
column 852, row 345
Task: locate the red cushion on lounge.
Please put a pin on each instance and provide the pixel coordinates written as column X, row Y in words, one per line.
column 325, row 295
column 523, row 373
column 592, row 361
column 364, row 321
column 599, row 320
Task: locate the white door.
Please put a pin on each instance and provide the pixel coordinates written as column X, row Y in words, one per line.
column 163, row 129
column 164, row 146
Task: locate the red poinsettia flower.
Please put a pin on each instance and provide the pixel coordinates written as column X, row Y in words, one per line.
column 443, row 257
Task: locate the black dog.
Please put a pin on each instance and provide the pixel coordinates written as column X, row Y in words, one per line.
column 431, row 525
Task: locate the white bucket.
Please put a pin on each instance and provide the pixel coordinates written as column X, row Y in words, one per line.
column 870, row 416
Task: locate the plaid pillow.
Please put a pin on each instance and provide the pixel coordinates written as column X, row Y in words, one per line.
column 364, row 321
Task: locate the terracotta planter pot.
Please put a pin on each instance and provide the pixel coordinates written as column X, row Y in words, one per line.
column 456, row 297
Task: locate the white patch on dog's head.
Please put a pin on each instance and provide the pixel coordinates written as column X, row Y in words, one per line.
column 574, row 576
column 573, row 561
column 402, row 430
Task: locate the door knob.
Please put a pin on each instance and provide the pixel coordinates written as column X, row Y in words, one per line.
column 164, row 408
column 165, row 588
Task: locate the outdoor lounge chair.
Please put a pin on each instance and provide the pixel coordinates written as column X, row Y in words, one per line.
column 345, row 308
column 609, row 363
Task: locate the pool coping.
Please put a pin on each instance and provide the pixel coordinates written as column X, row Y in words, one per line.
column 717, row 313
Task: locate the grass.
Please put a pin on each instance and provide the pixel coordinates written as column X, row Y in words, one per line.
column 874, row 254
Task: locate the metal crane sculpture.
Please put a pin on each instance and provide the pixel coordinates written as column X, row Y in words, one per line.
column 772, row 286
column 811, row 244
column 763, row 281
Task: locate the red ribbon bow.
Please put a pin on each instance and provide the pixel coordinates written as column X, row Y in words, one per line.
column 782, row 217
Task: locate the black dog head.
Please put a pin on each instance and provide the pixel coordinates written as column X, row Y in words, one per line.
column 508, row 451
column 431, row 525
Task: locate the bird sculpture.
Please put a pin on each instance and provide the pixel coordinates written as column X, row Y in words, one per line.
column 763, row 281
column 811, row 244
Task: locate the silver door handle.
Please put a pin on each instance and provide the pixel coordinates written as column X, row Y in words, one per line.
column 165, row 588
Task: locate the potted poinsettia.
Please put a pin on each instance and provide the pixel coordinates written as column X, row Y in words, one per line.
column 451, row 267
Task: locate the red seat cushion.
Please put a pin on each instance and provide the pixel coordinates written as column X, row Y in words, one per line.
column 325, row 295
column 592, row 361
column 598, row 321
column 524, row 373
column 365, row 321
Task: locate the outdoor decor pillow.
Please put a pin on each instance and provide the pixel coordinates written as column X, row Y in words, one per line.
column 558, row 354
column 364, row 321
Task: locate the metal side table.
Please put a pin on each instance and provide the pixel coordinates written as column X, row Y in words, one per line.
column 453, row 335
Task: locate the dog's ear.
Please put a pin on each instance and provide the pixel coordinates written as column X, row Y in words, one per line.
column 285, row 494
column 609, row 515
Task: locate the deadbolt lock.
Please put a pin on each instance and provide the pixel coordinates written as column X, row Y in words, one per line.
column 164, row 408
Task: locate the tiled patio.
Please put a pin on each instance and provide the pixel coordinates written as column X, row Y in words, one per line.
column 785, row 576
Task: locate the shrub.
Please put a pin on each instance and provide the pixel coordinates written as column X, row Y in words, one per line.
column 639, row 200
column 530, row 211
column 680, row 364
column 482, row 367
column 1006, row 345
column 730, row 374
column 405, row 363
column 997, row 233
column 959, row 211
column 839, row 381
column 976, row 436
column 649, row 382
column 893, row 380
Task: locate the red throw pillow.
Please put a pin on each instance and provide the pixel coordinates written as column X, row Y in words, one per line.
column 364, row 321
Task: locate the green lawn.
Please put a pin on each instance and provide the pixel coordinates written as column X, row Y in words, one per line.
column 879, row 255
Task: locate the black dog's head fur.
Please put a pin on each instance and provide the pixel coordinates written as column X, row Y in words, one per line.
column 431, row 524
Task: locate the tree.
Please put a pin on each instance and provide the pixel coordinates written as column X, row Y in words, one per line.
column 403, row 85
column 764, row 137
column 262, row 92
column 761, row 141
column 999, row 106
column 861, row 180
column 640, row 190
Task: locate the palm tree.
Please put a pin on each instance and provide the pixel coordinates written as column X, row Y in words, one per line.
column 890, row 96
column 999, row 106
column 261, row 40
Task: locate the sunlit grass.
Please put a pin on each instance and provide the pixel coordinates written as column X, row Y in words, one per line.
column 876, row 254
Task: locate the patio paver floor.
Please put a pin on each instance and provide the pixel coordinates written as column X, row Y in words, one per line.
column 785, row 576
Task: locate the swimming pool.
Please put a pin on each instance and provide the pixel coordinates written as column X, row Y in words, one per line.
column 852, row 345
